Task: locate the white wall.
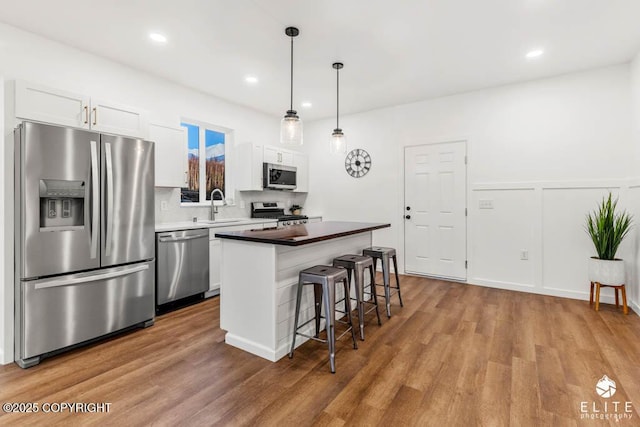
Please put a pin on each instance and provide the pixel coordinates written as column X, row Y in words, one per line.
column 32, row 58
column 635, row 172
column 544, row 151
column 6, row 238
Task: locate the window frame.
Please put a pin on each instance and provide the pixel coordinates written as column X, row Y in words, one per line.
column 228, row 142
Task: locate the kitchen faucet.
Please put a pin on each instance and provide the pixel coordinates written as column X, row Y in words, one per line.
column 214, row 209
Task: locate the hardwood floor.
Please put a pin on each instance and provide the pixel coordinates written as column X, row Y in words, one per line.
column 456, row 355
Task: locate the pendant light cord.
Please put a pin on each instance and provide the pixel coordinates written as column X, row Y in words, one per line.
column 291, row 102
column 337, row 98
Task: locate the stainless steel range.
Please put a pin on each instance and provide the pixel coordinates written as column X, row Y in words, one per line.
column 275, row 210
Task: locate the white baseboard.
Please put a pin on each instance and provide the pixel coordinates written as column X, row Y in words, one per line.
column 265, row 352
column 554, row 292
column 212, row 293
column 250, row 346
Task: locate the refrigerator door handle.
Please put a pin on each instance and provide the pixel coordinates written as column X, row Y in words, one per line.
column 109, row 213
column 55, row 283
column 95, row 199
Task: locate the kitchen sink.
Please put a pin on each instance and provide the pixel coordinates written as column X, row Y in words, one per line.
column 221, row 221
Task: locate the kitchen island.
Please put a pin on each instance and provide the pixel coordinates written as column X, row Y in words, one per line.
column 260, row 274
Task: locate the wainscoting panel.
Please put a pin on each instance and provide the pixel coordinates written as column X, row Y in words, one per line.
column 543, row 222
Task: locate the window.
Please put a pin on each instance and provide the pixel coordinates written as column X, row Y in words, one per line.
column 206, row 161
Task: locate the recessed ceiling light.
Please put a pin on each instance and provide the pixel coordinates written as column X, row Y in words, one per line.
column 251, row 79
column 157, row 37
column 534, row 53
column 307, row 104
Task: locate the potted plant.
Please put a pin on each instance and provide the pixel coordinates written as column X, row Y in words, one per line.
column 295, row 209
column 607, row 229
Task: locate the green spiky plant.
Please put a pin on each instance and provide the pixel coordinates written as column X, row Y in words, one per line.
column 607, row 228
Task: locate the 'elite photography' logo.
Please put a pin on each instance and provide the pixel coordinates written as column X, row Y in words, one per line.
column 606, row 387
column 607, row 410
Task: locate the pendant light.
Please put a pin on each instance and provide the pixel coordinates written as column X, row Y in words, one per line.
column 338, row 142
column 291, row 125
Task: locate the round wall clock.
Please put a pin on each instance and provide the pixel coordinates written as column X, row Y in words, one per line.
column 357, row 163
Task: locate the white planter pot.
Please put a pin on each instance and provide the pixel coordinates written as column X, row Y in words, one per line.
column 607, row 272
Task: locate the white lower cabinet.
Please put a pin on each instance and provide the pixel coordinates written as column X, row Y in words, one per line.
column 215, row 258
column 315, row 219
column 215, row 254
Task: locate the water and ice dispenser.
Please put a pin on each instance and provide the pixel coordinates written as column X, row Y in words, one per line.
column 61, row 205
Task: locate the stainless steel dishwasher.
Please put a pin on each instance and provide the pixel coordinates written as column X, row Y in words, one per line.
column 182, row 266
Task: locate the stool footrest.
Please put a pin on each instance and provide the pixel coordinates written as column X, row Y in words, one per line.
column 393, row 290
column 312, row 337
column 306, row 323
column 324, row 340
column 371, row 309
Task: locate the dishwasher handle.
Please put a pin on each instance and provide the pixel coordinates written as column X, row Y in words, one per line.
column 165, row 239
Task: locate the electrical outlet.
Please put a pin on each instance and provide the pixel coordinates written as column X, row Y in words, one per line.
column 242, row 204
column 164, row 206
column 524, row 254
column 485, row 204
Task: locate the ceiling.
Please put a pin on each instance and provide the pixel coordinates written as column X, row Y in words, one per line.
column 394, row 52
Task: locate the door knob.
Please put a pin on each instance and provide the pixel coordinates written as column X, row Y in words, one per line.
column 407, row 216
column 408, row 208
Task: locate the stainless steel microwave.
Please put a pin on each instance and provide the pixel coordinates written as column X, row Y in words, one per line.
column 278, row 177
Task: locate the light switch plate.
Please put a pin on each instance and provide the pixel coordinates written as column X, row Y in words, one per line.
column 485, row 204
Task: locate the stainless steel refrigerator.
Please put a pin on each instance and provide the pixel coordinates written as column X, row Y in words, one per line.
column 85, row 243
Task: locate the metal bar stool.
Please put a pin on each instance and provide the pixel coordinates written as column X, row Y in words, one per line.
column 356, row 266
column 324, row 279
column 378, row 252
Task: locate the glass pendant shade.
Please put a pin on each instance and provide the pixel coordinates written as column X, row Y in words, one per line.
column 291, row 129
column 338, row 142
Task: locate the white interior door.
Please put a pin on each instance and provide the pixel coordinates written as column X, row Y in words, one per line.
column 435, row 210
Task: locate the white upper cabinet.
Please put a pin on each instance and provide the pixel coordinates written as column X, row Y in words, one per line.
column 301, row 162
column 118, row 119
column 250, row 158
column 248, row 161
column 50, row 105
column 171, row 154
column 43, row 104
column 278, row 156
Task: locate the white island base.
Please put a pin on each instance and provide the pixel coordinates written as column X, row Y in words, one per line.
column 259, row 282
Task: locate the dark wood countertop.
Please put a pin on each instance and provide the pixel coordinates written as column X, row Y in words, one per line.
column 297, row 235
